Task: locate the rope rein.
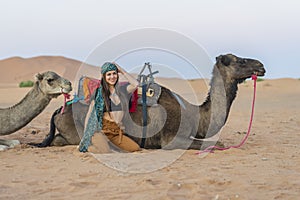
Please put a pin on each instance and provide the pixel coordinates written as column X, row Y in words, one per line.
column 66, row 97
column 211, row 149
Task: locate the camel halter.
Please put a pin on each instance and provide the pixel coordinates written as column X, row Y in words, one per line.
column 211, row 149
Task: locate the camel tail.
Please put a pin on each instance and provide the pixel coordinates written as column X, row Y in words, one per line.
column 50, row 137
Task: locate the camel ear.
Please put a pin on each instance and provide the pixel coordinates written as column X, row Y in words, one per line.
column 38, row 77
column 225, row 60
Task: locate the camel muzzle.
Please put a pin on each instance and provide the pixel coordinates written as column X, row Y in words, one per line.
column 260, row 72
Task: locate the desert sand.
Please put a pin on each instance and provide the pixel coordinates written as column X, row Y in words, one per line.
column 266, row 167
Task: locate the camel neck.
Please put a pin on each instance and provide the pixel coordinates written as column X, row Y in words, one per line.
column 23, row 112
column 221, row 95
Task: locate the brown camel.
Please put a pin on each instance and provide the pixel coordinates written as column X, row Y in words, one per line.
column 48, row 85
column 174, row 122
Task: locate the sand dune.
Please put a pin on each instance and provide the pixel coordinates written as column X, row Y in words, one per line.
column 266, row 167
column 19, row 69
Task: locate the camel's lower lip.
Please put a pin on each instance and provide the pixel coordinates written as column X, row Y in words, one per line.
column 260, row 72
column 64, row 91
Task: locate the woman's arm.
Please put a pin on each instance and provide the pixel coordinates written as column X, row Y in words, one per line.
column 133, row 83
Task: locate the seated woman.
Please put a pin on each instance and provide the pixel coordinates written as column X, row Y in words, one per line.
column 108, row 107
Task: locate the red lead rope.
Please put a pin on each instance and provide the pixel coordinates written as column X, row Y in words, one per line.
column 210, row 149
column 66, row 97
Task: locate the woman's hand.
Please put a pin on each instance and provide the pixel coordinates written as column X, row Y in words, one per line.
column 133, row 82
column 120, row 70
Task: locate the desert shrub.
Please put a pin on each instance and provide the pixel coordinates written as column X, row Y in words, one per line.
column 260, row 79
column 26, row 84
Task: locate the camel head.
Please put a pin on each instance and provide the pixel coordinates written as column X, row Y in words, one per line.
column 52, row 84
column 236, row 68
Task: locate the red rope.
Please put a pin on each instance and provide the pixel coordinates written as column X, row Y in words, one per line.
column 66, row 97
column 210, row 149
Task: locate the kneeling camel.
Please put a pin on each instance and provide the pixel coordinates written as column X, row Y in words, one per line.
column 174, row 121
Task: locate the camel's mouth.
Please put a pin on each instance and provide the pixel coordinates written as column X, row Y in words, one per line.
column 260, row 72
column 65, row 90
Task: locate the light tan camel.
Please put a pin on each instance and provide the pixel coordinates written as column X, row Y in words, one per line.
column 174, row 122
column 48, row 85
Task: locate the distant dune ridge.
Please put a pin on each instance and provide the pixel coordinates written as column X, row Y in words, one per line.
column 19, row 69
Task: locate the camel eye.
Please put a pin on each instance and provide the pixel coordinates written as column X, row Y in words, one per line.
column 50, row 80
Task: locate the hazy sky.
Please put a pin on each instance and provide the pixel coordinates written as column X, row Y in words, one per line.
column 266, row 30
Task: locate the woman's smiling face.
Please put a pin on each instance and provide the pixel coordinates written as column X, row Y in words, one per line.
column 111, row 77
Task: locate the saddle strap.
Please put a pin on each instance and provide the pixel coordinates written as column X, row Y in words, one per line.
column 144, row 99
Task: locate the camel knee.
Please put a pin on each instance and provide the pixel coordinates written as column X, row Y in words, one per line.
column 9, row 143
column 3, row 147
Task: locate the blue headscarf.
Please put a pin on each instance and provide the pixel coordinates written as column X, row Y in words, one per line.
column 95, row 119
column 108, row 66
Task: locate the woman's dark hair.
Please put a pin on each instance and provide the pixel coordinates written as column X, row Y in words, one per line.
column 106, row 91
